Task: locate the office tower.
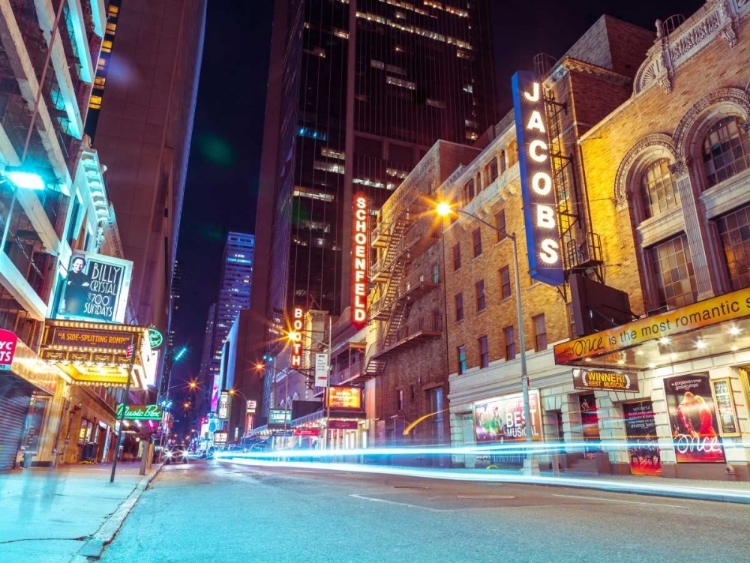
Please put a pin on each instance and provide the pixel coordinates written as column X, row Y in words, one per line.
column 234, row 295
column 205, row 383
column 142, row 117
column 357, row 93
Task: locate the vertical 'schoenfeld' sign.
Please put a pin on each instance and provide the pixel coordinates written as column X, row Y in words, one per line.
column 360, row 259
column 539, row 204
column 295, row 336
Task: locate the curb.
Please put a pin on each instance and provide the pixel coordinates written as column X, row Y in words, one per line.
column 94, row 546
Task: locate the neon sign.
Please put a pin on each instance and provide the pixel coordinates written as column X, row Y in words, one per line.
column 295, row 359
column 539, row 204
column 360, row 252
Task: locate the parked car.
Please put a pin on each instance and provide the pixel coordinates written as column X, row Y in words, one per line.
column 175, row 454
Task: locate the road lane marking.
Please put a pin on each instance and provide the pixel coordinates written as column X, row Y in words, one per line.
column 616, row 500
column 485, row 497
column 361, row 497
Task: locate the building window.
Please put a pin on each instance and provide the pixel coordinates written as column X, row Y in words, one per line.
column 484, row 352
column 468, row 192
column 673, row 267
column 411, row 393
column 505, row 290
column 500, row 225
column 734, row 231
column 477, row 240
column 540, row 333
column 726, row 150
column 461, row 359
column 510, row 343
column 658, row 190
column 503, row 163
column 481, row 301
column 571, row 320
column 435, row 273
column 457, row 256
column 459, row 306
column 400, row 400
column 491, row 171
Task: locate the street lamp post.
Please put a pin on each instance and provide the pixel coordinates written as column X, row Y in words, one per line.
column 530, row 463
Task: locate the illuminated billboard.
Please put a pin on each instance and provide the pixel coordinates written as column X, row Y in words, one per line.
column 360, row 259
column 503, row 420
column 8, row 343
column 539, row 202
column 95, row 289
column 344, row 398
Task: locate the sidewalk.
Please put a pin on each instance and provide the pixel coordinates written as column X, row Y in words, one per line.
column 50, row 515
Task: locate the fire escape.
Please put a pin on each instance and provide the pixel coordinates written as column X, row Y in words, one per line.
column 398, row 241
column 581, row 246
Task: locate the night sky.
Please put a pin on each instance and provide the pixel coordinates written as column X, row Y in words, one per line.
column 222, row 180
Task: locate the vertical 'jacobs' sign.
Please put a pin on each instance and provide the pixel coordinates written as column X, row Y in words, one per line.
column 360, row 254
column 295, row 358
column 539, row 205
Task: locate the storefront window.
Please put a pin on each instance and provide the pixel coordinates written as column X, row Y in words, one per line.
column 658, row 190
column 734, row 230
column 673, row 267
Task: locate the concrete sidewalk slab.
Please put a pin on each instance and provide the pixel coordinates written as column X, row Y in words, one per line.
column 50, row 514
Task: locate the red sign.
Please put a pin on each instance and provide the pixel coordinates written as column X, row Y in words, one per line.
column 360, row 259
column 8, row 341
column 343, row 424
column 295, row 360
column 306, row 432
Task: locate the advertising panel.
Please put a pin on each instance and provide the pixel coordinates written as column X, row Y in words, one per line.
column 693, row 418
column 728, row 424
column 224, row 405
column 502, row 419
column 321, row 370
column 605, row 380
column 537, row 190
column 643, row 443
column 139, row 412
column 278, row 416
column 8, row 342
column 96, row 288
column 344, row 398
column 360, row 259
column 83, row 339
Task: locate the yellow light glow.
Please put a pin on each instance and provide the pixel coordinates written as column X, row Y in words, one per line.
column 444, row 209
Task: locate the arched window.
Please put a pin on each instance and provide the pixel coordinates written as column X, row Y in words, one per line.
column 726, row 150
column 658, row 189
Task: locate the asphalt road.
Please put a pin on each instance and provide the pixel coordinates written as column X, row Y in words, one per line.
column 221, row 512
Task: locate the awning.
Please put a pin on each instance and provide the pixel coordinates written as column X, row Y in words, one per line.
column 97, row 353
column 716, row 326
column 29, row 366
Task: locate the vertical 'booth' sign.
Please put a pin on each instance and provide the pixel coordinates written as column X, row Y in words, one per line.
column 360, row 259
column 295, row 358
column 539, row 204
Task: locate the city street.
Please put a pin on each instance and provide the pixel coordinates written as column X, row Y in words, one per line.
column 228, row 512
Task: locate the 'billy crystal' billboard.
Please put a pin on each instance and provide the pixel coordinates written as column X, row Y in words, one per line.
column 95, row 289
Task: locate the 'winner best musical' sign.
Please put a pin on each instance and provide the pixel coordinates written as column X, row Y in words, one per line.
column 539, row 203
column 96, row 288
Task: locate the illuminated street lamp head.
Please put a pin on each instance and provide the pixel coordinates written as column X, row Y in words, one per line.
column 294, row 336
column 260, row 366
column 186, row 405
column 193, row 385
column 25, row 180
column 444, row 209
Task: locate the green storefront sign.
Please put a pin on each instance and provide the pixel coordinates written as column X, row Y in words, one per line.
column 139, row 412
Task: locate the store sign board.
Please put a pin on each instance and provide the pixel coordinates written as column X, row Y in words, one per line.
column 344, row 398
column 295, row 358
column 251, row 406
column 306, row 432
column 605, row 380
column 220, row 437
column 223, row 413
column 343, row 424
column 712, row 311
column 155, row 338
column 321, row 370
column 8, row 342
column 502, row 419
column 139, row 412
column 279, row 416
column 360, row 259
column 537, row 189
column 96, row 288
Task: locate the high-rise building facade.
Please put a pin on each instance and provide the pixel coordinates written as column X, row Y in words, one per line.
column 234, row 295
column 358, row 91
column 206, row 384
column 142, row 117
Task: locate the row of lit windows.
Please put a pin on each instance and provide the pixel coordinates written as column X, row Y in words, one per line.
column 408, row 29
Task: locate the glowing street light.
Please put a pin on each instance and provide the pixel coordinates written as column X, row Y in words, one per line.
column 531, row 465
column 25, row 180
